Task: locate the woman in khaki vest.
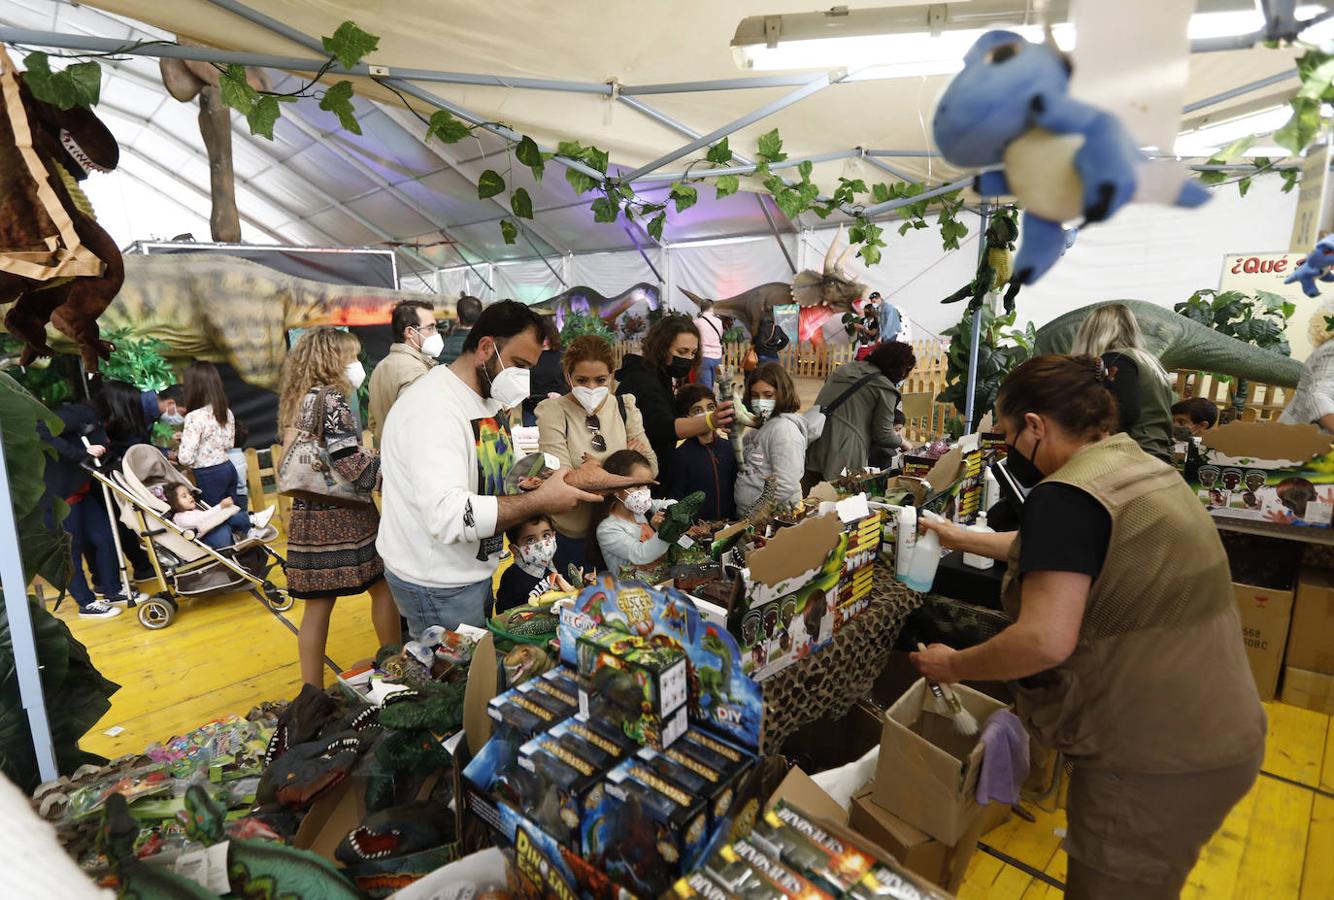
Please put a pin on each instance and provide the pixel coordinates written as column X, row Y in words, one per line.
column 1126, row 649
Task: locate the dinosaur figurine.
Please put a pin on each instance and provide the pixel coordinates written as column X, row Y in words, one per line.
column 677, row 518
column 1180, row 343
column 1010, row 106
column 995, row 268
column 57, row 264
column 264, row 869
column 300, row 722
column 300, row 774
column 822, row 296
column 437, row 707
column 1315, row 267
column 139, row 880
column 765, row 505
column 398, row 831
column 642, row 299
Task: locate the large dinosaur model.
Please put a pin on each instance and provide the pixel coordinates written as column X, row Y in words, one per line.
column 57, row 264
column 186, row 79
column 642, row 299
column 821, row 296
column 139, row 880
column 1180, row 343
column 224, row 309
column 264, row 869
column 1010, row 106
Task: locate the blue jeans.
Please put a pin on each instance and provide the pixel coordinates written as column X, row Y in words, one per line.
column 219, row 482
column 90, row 536
column 708, row 370
column 221, row 536
column 426, row 606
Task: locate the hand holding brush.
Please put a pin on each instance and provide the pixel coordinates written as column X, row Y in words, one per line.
column 964, row 721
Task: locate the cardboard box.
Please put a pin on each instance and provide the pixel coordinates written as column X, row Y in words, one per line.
column 938, row 863
column 927, row 773
column 1266, row 471
column 1311, row 637
column 1309, row 690
column 1265, row 613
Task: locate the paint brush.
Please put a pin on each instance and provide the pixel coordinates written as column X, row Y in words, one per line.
column 964, row 721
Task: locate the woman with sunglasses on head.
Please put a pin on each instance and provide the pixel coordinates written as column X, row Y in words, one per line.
column 671, row 353
column 587, row 423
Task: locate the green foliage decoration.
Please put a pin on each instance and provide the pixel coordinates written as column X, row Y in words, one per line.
column 1001, row 348
column 137, row 361
column 1260, row 319
column 579, row 324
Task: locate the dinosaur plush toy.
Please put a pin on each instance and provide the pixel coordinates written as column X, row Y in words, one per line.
column 995, row 268
column 1315, row 267
column 1010, row 106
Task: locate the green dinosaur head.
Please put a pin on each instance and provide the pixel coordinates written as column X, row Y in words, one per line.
column 116, row 837
column 203, row 818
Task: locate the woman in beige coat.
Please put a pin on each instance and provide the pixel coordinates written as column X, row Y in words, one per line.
column 588, row 422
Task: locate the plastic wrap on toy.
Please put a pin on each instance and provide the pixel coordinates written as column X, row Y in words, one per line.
column 144, row 781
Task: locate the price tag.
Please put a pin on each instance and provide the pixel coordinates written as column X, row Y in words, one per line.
column 685, row 542
column 205, row 866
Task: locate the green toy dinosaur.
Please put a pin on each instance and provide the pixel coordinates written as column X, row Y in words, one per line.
column 262, row 869
column 437, row 707
column 996, row 265
column 1180, row 343
column 139, row 880
column 713, row 682
column 678, row 518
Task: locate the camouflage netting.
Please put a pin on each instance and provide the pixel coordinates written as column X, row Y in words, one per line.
column 831, row 681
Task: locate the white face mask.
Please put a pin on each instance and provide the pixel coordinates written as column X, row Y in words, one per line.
column 538, row 555
column 590, row 398
column 639, row 501
column 763, row 408
column 356, row 373
column 510, row 386
column 432, row 345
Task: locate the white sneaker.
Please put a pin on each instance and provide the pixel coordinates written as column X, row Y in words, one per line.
column 256, row 534
column 262, row 518
column 99, row 609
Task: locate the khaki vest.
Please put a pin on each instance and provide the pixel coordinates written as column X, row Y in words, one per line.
column 1159, row 682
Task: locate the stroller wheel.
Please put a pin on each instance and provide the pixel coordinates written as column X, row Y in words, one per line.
column 277, row 599
column 157, row 612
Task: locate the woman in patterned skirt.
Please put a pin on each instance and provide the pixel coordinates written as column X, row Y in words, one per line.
column 331, row 548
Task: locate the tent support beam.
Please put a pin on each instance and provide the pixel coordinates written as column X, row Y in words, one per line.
column 891, row 205
column 1241, row 91
column 748, row 168
column 648, row 262
column 887, row 168
column 773, row 226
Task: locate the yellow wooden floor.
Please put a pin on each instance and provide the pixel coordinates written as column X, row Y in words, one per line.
column 225, row 655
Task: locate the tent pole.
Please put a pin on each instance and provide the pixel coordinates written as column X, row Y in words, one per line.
column 1261, row 84
column 21, row 635
column 888, row 169
column 970, row 395
column 652, row 268
column 768, row 217
column 748, row 168
column 891, row 205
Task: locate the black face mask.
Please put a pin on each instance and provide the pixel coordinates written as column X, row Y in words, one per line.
column 1021, row 467
column 680, row 367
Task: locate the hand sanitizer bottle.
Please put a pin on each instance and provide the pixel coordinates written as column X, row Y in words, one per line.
column 977, row 561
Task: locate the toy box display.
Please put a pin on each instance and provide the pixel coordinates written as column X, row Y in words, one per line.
column 1266, row 471
column 854, row 588
column 643, row 685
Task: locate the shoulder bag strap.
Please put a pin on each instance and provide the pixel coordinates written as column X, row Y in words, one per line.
column 843, row 397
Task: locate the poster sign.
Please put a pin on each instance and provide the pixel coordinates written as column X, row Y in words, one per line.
column 1251, row 272
column 1307, row 224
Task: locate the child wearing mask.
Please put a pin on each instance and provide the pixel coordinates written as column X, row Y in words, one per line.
column 1196, row 416
column 532, row 575
column 218, row 525
column 705, row 462
column 627, row 539
column 778, row 449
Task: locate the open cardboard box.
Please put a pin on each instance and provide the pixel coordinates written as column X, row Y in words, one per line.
column 928, row 771
column 1267, row 471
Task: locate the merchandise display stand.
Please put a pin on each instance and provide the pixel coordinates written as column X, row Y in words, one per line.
column 1304, row 533
column 832, row 681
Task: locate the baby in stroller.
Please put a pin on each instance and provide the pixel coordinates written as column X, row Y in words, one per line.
column 219, row 527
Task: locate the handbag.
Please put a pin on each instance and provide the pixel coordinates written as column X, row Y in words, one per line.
column 305, row 470
column 750, row 360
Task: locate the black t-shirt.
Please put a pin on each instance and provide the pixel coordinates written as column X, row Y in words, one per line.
column 1124, row 385
column 514, row 588
column 1063, row 529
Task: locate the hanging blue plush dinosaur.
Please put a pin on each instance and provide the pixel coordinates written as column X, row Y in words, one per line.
column 1315, row 266
column 1063, row 159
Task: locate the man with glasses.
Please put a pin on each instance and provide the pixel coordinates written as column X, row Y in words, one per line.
column 417, row 343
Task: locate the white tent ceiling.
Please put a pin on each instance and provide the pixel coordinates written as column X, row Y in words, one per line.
column 317, row 185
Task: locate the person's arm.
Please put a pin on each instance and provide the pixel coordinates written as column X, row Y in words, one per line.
column 780, row 339
column 552, row 496
column 787, row 457
column 1045, row 635
column 552, row 436
column 342, row 440
column 1124, row 386
column 68, row 449
column 954, row 537
column 882, row 420
column 615, row 540
column 1327, row 421
column 188, row 449
column 634, row 431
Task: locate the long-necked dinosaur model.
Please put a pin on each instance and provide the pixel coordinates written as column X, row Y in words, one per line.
column 57, row 264
column 821, row 296
column 1180, row 343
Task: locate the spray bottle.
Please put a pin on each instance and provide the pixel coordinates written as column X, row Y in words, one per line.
column 907, row 541
column 925, row 558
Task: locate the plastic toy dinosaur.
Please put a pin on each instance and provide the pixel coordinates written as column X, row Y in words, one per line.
column 1180, row 343
column 300, row 722
column 678, row 517
column 139, row 880
column 57, row 264
column 264, row 869
column 437, row 707
column 1063, row 159
column 1316, row 267
column 765, row 505
column 995, row 268
column 296, row 777
column 398, row 831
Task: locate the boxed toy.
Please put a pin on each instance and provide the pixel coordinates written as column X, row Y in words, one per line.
column 831, row 863
column 520, row 713
column 1267, row 471
column 699, row 884
column 563, row 785
column 646, row 833
column 642, row 687
column 741, row 867
column 689, row 775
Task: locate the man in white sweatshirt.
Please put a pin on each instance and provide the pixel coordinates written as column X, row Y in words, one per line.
column 444, row 457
